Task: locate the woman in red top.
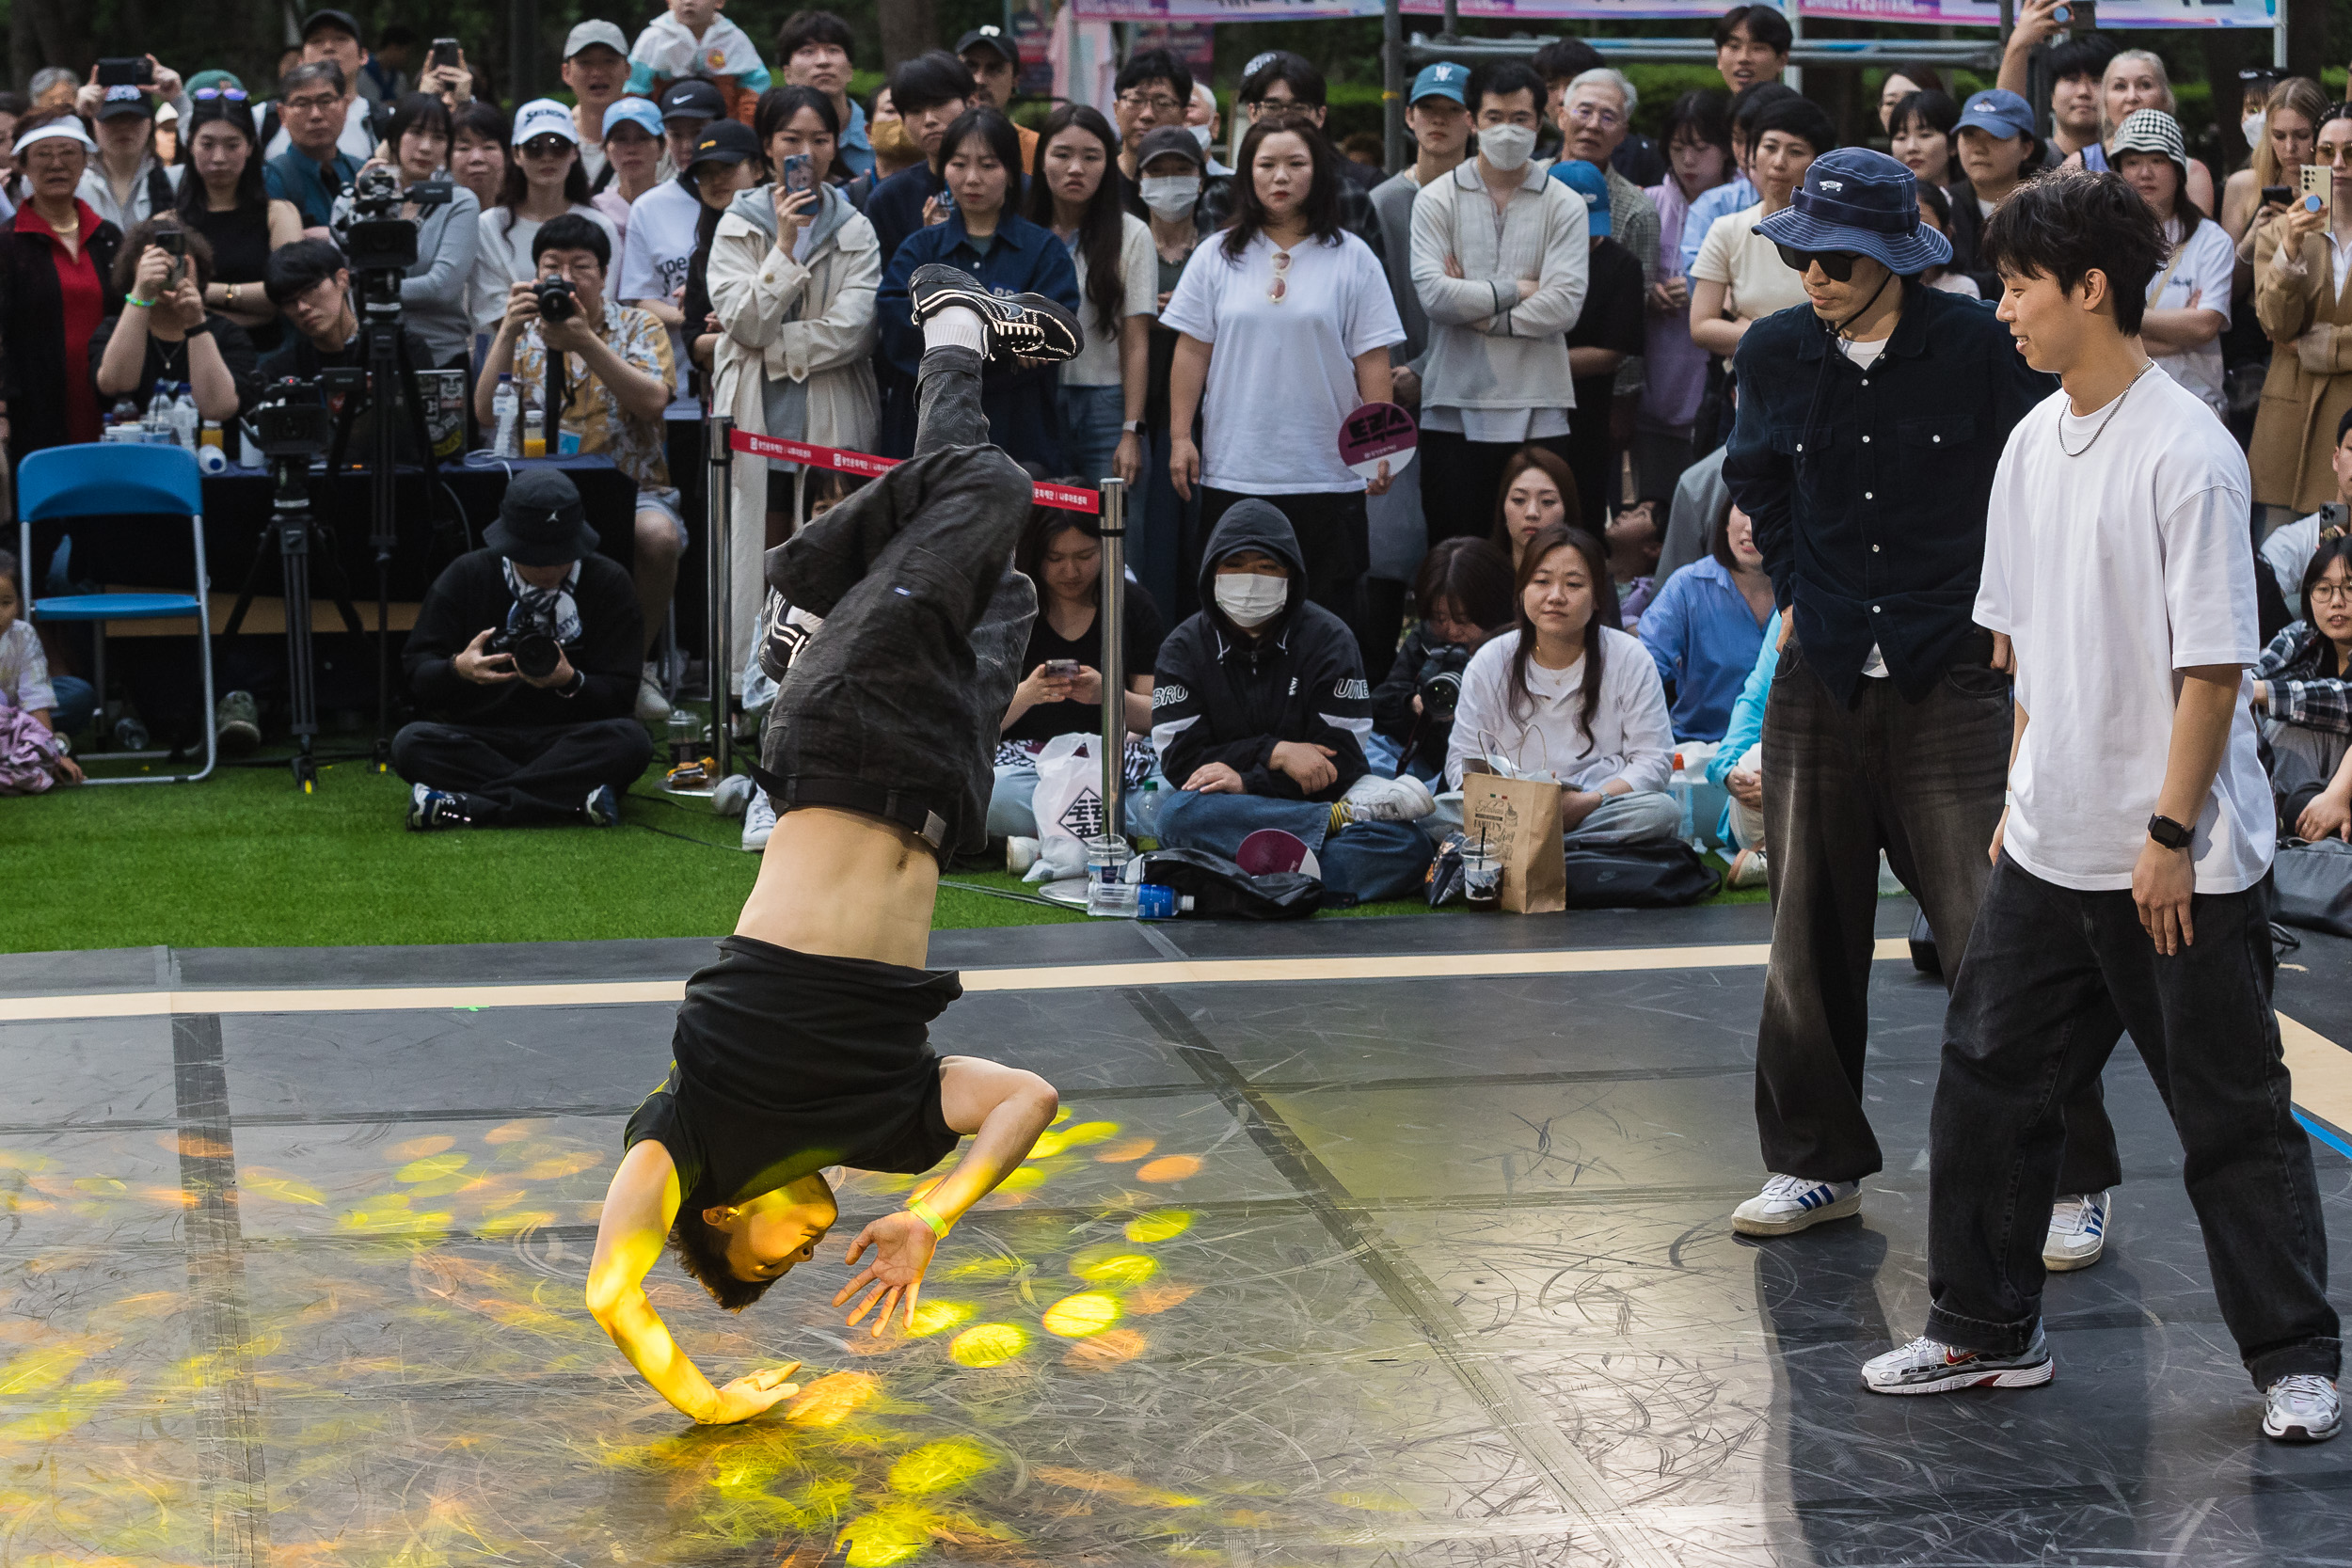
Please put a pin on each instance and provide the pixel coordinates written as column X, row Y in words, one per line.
column 55, row 254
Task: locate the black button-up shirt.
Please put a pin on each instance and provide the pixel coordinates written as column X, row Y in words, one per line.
column 1867, row 486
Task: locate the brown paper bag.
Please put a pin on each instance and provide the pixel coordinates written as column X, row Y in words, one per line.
column 1521, row 818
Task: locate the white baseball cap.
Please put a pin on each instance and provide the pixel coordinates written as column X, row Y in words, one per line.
column 589, row 34
column 544, row 116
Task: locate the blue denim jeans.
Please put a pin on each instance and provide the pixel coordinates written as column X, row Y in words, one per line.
column 78, row 703
column 1368, row 861
column 2051, row 975
column 1091, row 417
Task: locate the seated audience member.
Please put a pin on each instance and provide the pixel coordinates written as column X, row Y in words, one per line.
column 985, row 235
column 2289, row 549
column 1738, row 766
column 34, row 709
column 1463, row 595
column 2300, row 690
column 1636, row 535
column 502, row 746
column 1572, row 698
column 311, row 282
column 610, row 382
column 1063, row 556
column 1259, row 716
column 1609, row 334
column 165, row 333
column 1704, row 625
column 1701, row 502
column 1537, row 492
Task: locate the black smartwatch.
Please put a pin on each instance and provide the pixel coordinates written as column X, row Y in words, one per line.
column 2168, row 832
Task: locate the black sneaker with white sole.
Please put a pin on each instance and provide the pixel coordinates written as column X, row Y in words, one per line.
column 1020, row 326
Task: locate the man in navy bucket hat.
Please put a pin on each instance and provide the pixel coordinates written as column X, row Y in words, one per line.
column 1868, row 432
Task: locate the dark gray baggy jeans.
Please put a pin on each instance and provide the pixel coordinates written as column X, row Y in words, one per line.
column 1924, row 781
column 904, row 688
column 2052, row 974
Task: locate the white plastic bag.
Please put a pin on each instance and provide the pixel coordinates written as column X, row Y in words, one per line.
column 1069, row 800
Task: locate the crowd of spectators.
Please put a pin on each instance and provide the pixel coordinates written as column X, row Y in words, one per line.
column 1554, row 296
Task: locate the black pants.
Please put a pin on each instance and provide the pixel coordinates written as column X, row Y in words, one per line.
column 1334, row 538
column 1922, row 781
column 905, row 687
column 509, row 776
column 1461, row 481
column 2052, row 974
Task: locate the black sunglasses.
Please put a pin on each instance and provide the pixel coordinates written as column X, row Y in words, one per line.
column 1836, row 265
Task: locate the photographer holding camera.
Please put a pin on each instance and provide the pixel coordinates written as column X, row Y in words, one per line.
column 1463, row 597
column 525, row 659
column 610, row 381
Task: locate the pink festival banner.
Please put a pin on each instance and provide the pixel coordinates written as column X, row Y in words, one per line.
column 2113, row 14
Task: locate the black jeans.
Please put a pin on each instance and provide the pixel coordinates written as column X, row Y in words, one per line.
column 1334, row 539
column 510, row 776
column 2050, row 977
column 1460, row 478
column 1924, row 782
column 905, row 687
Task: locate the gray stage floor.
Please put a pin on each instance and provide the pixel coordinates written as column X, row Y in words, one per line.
column 1323, row 1270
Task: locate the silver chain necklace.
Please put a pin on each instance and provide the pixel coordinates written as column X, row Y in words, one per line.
column 2114, row 410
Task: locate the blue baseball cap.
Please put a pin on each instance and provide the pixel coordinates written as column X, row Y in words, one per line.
column 1997, row 110
column 1863, row 201
column 1443, row 80
column 1586, row 181
column 639, row 112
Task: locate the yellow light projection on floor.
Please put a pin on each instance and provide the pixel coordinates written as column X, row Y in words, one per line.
column 414, row 1313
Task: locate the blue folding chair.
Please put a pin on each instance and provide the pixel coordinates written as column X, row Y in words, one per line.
column 104, row 479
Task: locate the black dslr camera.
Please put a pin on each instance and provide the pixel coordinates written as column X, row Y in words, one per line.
column 376, row 237
column 530, row 638
column 1440, row 683
column 557, row 302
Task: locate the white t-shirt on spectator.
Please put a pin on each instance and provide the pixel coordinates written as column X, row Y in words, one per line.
column 658, row 254
column 1283, row 374
column 1758, row 281
column 2111, row 571
column 2205, row 268
column 502, row 256
column 1632, row 736
column 1097, row 364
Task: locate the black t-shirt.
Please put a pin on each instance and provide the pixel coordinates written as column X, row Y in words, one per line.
column 169, row 361
column 1140, row 632
column 785, row 1063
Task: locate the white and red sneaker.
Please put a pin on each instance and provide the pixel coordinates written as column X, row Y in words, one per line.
column 1932, row 1366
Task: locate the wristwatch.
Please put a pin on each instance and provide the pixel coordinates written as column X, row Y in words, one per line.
column 579, row 682
column 199, row 330
column 2168, row 832
column 1132, row 427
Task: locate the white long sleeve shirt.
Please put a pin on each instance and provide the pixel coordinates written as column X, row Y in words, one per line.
column 1630, row 736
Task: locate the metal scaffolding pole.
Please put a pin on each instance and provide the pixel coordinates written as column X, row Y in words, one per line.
column 1392, row 84
column 1110, row 617
column 718, row 508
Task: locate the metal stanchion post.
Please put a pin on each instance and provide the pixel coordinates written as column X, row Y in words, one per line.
column 718, row 507
column 1109, row 617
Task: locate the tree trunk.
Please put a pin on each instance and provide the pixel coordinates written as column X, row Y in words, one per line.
column 911, row 26
column 2307, row 37
column 52, row 32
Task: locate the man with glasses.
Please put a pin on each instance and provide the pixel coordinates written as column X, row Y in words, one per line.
column 1595, row 113
column 1286, row 85
column 314, row 169
column 1869, row 431
column 1154, row 89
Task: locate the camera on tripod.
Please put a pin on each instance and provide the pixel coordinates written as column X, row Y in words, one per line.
column 376, row 237
column 529, row 637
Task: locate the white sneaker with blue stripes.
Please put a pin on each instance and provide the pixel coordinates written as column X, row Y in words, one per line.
column 2078, row 1232
column 1792, row 1203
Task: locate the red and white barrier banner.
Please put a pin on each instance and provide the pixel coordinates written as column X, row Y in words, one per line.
column 2113, row 14
column 1069, row 497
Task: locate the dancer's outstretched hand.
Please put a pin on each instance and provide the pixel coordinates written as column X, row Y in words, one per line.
column 902, row 1247
column 752, row 1394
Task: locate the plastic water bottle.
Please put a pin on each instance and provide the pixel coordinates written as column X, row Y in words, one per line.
column 505, row 407
column 186, row 420
column 125, row 412
column 157, row 424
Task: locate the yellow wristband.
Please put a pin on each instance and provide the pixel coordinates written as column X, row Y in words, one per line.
column 922, row 1211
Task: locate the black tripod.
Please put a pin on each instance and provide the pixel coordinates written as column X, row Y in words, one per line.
column 293, row 533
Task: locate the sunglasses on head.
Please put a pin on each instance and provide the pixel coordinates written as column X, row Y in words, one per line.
column 1838, row 265
column 205, row 95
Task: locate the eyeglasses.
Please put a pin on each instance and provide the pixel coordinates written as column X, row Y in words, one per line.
column 1592, row 114
column 319, row 103
column 1159, row 103
column 205, row 95
column 2331, row 593
column 1837, row 265
column 1282, row 286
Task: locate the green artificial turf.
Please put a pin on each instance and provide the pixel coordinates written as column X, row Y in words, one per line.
column 245, row 859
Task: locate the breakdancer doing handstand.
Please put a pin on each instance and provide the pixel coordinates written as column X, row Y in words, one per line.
column 803, row 1046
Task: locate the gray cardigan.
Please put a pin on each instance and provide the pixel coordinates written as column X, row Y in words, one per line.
column 433, row 295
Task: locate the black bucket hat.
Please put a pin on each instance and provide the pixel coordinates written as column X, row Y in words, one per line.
column 541, row 521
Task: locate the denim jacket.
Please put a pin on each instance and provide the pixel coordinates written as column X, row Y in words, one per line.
column 1868, row 488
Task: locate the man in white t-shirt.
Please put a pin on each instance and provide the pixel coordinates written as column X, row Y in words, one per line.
column 2131, row 874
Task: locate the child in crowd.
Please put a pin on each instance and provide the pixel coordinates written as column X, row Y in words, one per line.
column 1636, row 535
column 1463, row 595
column 32, row 758
column 692, row 38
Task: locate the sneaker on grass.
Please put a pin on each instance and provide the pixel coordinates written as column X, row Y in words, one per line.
column 431, row 810
column 1790, row 1204
column 1403, row 799
column 603, row 807
column 1928, row 1365
column 237, row 721
column 1747, row 869
column 653, row 704
column 2301, row 1407
column 760, row 821
column 2078, row 1232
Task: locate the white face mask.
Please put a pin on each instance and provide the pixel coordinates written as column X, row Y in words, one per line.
column 1506, row 147
column 1170, row 196
column 2252, row 127
column 1201, row 135
column 1249, row 600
